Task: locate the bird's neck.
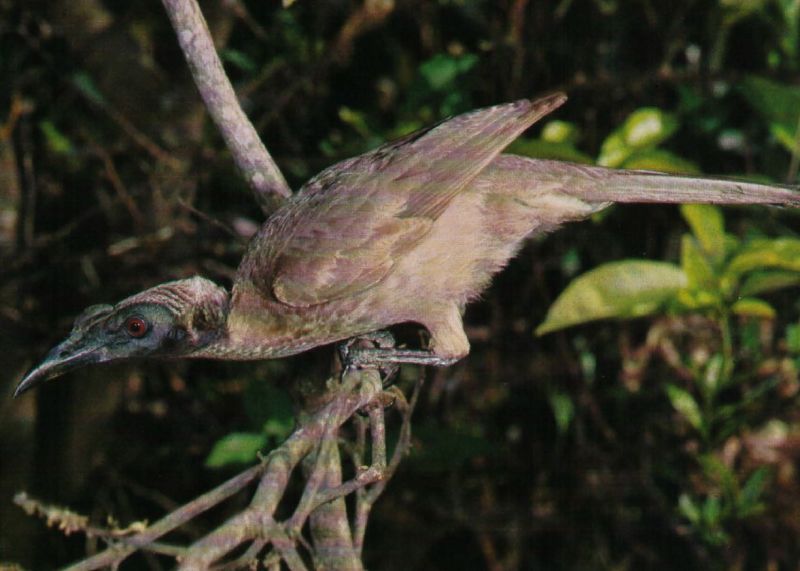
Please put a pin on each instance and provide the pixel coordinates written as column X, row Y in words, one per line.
column 253, row 329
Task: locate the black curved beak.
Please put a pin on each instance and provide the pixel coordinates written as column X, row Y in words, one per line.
column 70, row 354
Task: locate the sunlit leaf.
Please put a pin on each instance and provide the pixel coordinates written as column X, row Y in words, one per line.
column 560, row 132
column 642, row 130
column 708, row 226
column 660, row 160
column 778, row 253
column 689, row 508
column 614, row 151
column 236, row 448
column 624, row 289
column 537, row 148
column 695, row 265
column 647, row 127
column 753, row 307
column 684, row 403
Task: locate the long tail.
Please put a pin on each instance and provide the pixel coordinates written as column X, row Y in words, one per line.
column 525, row 197
column 597, row 184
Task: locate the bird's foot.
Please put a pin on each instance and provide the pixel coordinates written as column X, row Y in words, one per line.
column 377, row 340
column 381, row 357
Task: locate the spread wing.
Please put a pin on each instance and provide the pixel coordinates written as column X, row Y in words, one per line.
column 350, row 224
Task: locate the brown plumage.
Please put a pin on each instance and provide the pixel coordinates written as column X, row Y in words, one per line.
column 408, row 232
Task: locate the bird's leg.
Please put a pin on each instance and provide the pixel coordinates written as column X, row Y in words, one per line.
column 448, row 344
column 380, row 357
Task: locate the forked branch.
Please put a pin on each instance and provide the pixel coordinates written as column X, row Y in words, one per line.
column 317, row 438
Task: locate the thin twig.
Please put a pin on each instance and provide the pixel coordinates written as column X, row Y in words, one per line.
column 249, row 153
column 116, row 554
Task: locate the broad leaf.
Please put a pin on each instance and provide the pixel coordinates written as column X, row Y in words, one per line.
column 624, row 289
column 660, row 160
column 560, row 132
column 753, row 307
column 780, row 254
column 643, row 129
column 236, row 448
column 776, row 102
column 708, row 226
column 647, row 127
column 541, row 149
column 699, row 273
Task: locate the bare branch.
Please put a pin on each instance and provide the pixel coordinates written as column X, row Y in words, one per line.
column 322, row 504
column 115, row 554
column 249, row 153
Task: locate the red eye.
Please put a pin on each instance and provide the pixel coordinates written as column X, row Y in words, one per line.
column 135, row 326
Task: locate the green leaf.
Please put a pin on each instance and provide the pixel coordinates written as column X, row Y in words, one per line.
column 442, row 69
column 766, row 281
column 712, row 511
column 647, row 127
column 541, row 149
column 660, row 160
column 563, row 410
column 776, row 102
column 614, row 151
column 778, row 253
column 684, row 403
column 712, row 375
column 84, row 83
column 699, row 273
column 239, row 59
column 643, row 129
column 560, row 132
column 747, row 502
column 718, row 472
column 56, row 140
column 753, row 307
column 786, row 137
column 689, row 509
column 793, row 337
column 236, row 448
column 708, row 226
column 624, row 289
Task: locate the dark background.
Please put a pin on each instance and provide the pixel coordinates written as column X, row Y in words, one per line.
column 556, row 453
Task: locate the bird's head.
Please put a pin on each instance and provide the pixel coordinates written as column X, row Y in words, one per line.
column 174, row 319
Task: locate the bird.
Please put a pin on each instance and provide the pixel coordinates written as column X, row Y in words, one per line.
column 411, row 231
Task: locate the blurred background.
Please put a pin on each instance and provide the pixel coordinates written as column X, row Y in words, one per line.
column 665, row 442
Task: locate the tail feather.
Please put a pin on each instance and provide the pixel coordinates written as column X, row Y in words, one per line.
column 652, row 187
column 593, row 184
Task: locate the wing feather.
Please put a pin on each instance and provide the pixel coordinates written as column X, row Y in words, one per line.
column 348, row 226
